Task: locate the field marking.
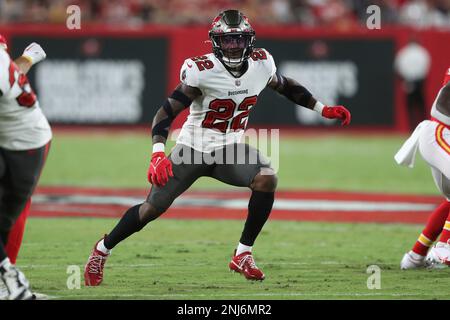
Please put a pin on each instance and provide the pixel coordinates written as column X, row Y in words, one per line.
column 297, row 205
column 279, row 204
column 309, row 205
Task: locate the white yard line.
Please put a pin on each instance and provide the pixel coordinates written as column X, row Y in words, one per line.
column 280, row 204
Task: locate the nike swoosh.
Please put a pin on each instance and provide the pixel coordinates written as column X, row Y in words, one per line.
column 158, row 160
column 189, row 65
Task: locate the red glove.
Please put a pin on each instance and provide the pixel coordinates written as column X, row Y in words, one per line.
column 337, row 112
column 160, row 169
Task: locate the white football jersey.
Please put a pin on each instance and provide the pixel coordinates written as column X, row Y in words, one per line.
column 23, row 126
column 219, row 116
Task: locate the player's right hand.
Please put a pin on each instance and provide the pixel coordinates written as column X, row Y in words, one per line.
column 337, row 112
column 34, row 53
column 160, row 169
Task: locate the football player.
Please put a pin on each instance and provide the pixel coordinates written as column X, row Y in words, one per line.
column 432, row 138
column 220, row 88
column 24, row 142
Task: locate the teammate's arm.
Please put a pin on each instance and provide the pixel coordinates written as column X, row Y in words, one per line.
column 23, row 64
column 160, row 166
column 298, row 94
column 31, row 55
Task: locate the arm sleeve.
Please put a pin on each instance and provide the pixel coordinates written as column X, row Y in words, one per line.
column 5, row 61
column 189, row 74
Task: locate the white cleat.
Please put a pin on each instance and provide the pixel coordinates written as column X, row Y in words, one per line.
column 16, row 284
column 40, row 296
column 409, row 262
column 3, row 291
column 4, row 294
column 439, row 256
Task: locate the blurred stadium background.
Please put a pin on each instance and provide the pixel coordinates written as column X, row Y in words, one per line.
column 101, row 85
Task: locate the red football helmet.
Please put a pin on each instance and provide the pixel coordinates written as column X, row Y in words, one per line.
column 3, row 42
column 446, row 77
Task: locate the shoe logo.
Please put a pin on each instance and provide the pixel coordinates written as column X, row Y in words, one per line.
column 157, row 162
column 189, row 65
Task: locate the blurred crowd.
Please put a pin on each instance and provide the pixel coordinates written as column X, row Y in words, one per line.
column 331, row 13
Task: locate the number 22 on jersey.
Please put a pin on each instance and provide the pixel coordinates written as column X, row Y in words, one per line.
column 222, row 114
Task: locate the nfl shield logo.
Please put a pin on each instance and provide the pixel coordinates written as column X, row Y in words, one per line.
column 238, row 83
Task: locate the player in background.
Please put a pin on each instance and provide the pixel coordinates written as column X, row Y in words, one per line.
column 220, row 88
column 432, row 138
column 16, row 234
column 24, row 142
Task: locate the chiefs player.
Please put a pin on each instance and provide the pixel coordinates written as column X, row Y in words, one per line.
column 220, row 88
column 24, row 141
column 432, row 138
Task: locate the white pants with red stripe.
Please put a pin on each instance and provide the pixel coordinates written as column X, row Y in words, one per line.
column 434, row 146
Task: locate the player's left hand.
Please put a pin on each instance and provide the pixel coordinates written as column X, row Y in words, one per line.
column 34, row 53
column 337, row 112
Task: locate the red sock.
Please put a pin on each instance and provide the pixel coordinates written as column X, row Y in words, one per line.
column 445, row 236
column 432, row 229
column 16, row 234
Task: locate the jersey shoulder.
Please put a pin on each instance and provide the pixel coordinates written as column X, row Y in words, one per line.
column 197, row 68
column 4, row 57
column 262, row 58
column 5, row 62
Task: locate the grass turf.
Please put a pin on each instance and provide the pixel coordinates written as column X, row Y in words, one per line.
column 187, row 259
column 182, row 259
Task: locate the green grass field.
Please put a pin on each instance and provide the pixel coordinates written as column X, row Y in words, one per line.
column 174, row 259
column 187, row 259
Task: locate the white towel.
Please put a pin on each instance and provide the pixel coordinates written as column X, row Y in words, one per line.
column 407, row 153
